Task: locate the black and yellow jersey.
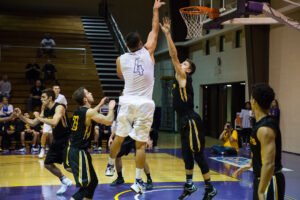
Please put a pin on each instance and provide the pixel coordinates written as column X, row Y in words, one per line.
column 61, row 130
column 80, row 134
column 183, row 98
column 256, row 146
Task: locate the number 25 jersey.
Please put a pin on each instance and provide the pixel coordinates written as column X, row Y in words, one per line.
column 80, row 133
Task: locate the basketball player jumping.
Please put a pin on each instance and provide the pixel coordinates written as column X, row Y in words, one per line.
column 137, row 106
column 191, row 130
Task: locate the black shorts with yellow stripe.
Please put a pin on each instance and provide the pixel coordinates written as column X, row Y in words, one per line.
column 192, row 141
column 191, row 129
column 80, row 162
column 275, row 189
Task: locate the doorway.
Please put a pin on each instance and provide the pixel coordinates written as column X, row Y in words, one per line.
column 221, row 102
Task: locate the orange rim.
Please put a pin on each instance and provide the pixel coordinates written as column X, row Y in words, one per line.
column 200, row 10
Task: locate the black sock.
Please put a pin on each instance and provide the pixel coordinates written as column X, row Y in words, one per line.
column 208, row 184
column 149, row 177
column 189, row 178
column 138, row 180
column 120, row 174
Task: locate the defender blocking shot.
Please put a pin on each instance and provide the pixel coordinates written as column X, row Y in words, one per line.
column 191, row 130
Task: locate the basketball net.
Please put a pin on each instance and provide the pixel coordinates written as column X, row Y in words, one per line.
column 194, row 21
column 194, row 17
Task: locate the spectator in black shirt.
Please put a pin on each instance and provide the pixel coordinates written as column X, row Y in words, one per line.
column 32, row 71
column 35, row 96
column 49, row 71
column 9, row 133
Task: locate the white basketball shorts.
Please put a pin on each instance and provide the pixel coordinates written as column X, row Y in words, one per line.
column 47, row 128
column 135, row 117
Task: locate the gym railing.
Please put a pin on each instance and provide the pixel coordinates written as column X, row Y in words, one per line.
column 82, row 51
column 117, row 33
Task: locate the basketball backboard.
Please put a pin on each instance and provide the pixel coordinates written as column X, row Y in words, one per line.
column 233, row 12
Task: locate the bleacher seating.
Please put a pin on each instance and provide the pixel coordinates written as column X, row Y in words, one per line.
column 67, row 31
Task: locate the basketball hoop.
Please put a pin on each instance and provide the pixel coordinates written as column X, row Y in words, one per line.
column 194, row 17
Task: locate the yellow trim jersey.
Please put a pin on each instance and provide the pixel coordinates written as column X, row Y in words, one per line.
column 80, row 133
column 183, row 98
column 255, row 145
column 61, row 130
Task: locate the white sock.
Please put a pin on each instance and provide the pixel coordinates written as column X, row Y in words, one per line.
column 138, row 173
column 111, row 161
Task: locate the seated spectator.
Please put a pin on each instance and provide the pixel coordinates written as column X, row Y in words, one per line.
column 6, row 108
column 25, row 130
column 3, row 121
column 96, row 146
column 101, row 132
column 9, row 133
column 5, row 87
column 49, row 71
column 1, row 133
column 1, row 130
column 47, row 45
column 32, row 71
column 229, row 136
column 34, row 100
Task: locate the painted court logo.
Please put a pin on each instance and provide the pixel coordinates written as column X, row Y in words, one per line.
column 235, row 161
column 238, row 161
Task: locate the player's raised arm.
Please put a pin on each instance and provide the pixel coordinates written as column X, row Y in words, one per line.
column 166, row 28
column 103, row 119
column 153, row 35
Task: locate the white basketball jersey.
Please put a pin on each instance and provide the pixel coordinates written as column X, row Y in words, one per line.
column 61, row 99
column 138, row 72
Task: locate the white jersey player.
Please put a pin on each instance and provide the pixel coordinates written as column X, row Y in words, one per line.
column 136, row 110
